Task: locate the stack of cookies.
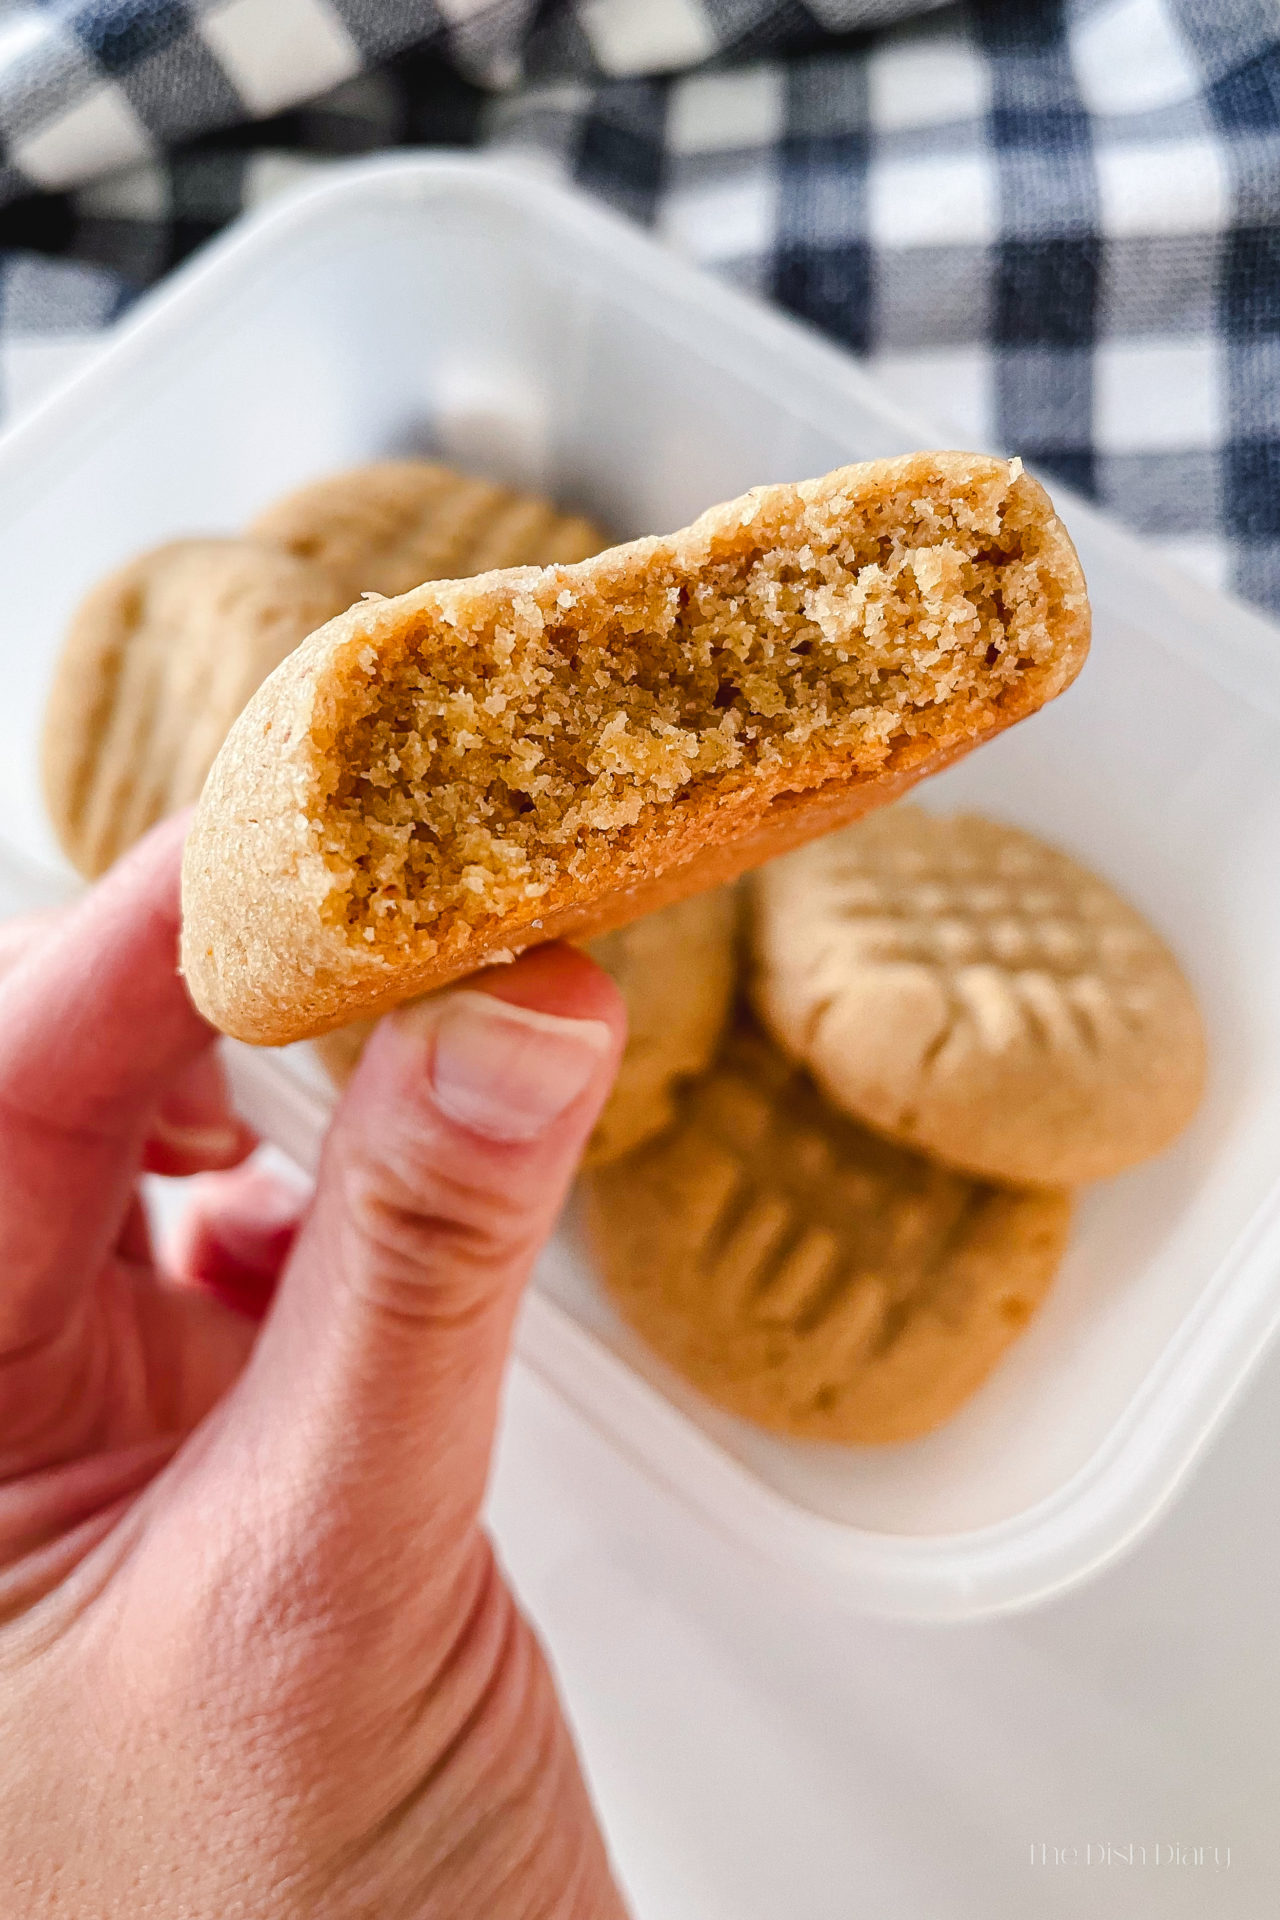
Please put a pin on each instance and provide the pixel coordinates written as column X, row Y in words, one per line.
column 937, row 1028
column 832, row 1182
column 163, row 655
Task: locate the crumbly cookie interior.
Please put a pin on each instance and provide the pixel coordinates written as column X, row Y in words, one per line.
column 466, row 768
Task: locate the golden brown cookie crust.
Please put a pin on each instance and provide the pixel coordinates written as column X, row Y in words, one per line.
column 159, row 659
column 388, row 526
column 481, row 765
column 808, row 1275
column 971, row 991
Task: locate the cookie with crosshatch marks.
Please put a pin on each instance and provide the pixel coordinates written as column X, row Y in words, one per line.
column 807, row 1274
column 390, row 525
column 158, row 661
column 971, row 991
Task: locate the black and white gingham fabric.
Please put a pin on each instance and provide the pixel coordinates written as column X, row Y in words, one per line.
column 1050, row 225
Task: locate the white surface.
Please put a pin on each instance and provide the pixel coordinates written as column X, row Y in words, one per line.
column 441, row 303
column 759, row 1758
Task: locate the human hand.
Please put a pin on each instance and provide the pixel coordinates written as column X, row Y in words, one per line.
column 256, row 1657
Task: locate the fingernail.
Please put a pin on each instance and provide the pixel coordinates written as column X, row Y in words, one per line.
column 507, row 1071
column 195, row 1120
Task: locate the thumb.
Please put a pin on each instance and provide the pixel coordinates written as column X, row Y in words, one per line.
column 372, row 1394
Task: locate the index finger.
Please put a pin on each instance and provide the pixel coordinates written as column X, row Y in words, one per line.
column 94, row 1024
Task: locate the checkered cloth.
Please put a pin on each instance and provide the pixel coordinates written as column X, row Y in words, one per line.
column 1050, row 225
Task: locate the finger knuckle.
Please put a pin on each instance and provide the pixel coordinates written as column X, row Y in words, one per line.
column 431, row 1236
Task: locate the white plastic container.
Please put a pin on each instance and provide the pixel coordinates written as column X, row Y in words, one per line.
column 447, row 304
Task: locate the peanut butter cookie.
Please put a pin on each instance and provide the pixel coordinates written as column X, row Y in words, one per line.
column 807, row 1274
column 975, row 993
column 158, row 662
column 388, row 526
column 548, row 753
column 676, row 970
